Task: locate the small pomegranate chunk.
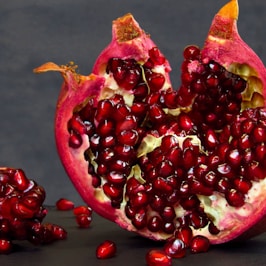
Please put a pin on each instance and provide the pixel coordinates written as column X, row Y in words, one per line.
column 64, row 205
column 106, row 250
column 158, row 258
column 22, row 213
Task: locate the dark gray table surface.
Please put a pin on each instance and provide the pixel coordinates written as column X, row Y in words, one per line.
column 33, row 32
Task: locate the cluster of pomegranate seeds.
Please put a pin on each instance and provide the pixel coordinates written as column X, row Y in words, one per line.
column 22, row 213
column 83, row 215
column 202, row 144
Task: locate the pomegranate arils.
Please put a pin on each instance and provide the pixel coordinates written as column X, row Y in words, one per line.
column 175, row 248
column 106, row 250
column 199, row 244
column 5, row 246
column 83, row 220
column 64, row 204
column 156, row 257
column 22, row 213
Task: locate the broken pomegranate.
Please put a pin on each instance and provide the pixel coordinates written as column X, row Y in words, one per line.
column 164, row 162
column 22, row 212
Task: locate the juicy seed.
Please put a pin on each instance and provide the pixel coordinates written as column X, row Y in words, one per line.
column 199, row 244
column 5, row 246
column 175, row 248
column 106, row 250
column 158, row 258
column 64, row 204
column 83, row 220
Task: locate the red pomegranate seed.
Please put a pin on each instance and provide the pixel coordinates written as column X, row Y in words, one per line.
column 128, row 137
column 259, row 134
column 140, row 199
column 157, row 257
column 64, row 204
column 106, row 250
column 112, row 191
column 20, row 181
column 155, row 81
column 76, row 124
column 104, row 110
column 191, row 52
column 155, row 223
column 75, row 140
column 168, row 213
column 58, row 232
column 243, row 185
column 156, row 57
column 199, row 244
column 235, row 198
column 185, row 234
column 5, row 246
column 82, row 210
column 121, row 112
column 175, row 248
column 83, row 220
column 156, row 113
column 105, row 127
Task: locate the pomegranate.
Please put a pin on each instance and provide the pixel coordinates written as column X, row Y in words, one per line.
column 161, row 162
column 22, row 213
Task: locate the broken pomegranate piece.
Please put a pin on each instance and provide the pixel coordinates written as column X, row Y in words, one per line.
column 22, row 212
column 164, row 162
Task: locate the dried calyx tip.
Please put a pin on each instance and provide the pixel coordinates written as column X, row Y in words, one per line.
column 230, row 10
column 126, row 28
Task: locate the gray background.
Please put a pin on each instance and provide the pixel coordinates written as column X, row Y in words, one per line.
column 33, row 32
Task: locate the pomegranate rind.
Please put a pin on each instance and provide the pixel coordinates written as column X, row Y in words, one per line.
column 75, row 89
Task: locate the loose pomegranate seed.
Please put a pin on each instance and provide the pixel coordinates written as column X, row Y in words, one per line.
column 185, row 234
column 175, row 248
column 82, row 210
column 158, row 258
column 64, row 204
column 199, row 244
column 106, row 250
column 5, row 246
column 83, row 220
